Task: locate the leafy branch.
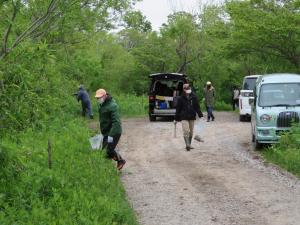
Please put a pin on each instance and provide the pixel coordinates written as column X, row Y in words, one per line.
column 31, row 29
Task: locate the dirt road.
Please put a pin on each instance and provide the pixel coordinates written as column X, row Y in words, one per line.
column 220, row 182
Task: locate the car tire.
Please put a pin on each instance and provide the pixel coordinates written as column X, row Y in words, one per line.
column 242, row 118
column 257, row 146
column 152, row 118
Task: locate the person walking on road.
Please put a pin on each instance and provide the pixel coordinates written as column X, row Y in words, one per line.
column 209, row 100
column 83, row 96
column 186, row 109
column 235, row 97
column 110, row 125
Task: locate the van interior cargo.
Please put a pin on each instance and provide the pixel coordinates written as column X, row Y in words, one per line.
column 166, row 93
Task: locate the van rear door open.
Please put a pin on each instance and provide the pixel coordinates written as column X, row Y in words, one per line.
column 164, row 90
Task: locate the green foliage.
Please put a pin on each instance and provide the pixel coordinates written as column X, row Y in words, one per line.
column 82, row 187
column 287, row 152
column 132, row 105
column 137, row 21
column 31, row 94
column 222, row 106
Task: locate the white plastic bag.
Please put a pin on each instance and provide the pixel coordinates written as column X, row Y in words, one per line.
column 96, row 141
column 198, row 130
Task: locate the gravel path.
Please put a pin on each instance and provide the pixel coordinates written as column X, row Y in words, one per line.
column 220, row 182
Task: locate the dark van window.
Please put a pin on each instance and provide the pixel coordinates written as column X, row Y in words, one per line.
column 249, row 84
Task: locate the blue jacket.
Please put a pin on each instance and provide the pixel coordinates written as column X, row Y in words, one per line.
column 83, row 96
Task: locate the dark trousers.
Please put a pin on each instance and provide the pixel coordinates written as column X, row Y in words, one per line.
column 86, row 107
column 210, row 114
column 235, row 103
column 110, row 147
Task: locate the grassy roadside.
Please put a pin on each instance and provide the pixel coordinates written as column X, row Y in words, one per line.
column 286, row 154
column 81, row 188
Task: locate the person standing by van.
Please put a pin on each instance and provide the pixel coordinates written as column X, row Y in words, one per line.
column 235, row 97
column 209, row 100
column 110, row 125
column 186, row 109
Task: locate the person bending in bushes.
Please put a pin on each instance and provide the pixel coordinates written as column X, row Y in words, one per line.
column 84, row 97
column 186, row 109
column 110, row 125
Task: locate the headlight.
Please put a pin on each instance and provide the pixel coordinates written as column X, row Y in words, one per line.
column 265, row 118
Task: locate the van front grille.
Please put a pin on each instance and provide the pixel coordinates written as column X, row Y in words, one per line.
column 285, row 119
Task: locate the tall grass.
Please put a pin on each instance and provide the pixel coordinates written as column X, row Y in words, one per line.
column 83, row 187
column 222, row 106
column 132, row 105
column 287, row 153
column 218, row 106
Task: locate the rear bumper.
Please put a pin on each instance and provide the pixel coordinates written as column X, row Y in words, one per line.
column 163, row 112
column 244, row 106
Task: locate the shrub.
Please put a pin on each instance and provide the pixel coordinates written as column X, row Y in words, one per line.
column 83, row 187
column 287, row 152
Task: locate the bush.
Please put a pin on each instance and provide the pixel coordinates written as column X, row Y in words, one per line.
column 83, row 187
column 132, row 105
column 222, row 106
column 287, row 152
column 219, row 106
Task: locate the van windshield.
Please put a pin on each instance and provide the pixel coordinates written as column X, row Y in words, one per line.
column 283, row 94
column 249, row 83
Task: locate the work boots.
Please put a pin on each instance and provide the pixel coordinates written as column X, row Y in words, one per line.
column 190, row 141
column 187, row 143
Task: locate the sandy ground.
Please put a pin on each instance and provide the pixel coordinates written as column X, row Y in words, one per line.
column 221, row 181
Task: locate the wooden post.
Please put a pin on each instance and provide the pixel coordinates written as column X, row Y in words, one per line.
column 49, row 154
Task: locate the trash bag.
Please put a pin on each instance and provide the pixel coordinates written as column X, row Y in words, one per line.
column 198, row 130
column 96, row 142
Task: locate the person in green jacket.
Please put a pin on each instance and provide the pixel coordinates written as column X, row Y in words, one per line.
column 110, row 125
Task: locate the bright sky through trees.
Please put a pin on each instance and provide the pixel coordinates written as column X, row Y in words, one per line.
column 157, row 11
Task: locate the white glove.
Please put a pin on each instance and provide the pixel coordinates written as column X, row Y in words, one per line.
column 110, row 139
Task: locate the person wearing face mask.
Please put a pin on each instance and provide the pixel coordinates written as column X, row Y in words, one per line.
column 186, row 109
column 209, row 100
column 110, row 125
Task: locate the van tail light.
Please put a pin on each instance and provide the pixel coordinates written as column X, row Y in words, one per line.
column 241, row 103
column 151, row 98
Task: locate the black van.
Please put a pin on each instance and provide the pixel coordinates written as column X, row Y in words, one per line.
column 164, row 91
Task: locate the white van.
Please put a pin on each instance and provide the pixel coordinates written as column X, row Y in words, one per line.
column 246, row 95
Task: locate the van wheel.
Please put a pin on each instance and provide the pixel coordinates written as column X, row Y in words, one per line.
column 242, row 118
column 257, row 145
column 152, row 118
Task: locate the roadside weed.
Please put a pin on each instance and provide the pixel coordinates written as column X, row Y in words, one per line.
column 83, row 187
column 287, row 153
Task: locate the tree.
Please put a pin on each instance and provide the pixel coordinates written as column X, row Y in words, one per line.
column 266, row 28
column 32, row 28
column 182, row 29
column 137, row 21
